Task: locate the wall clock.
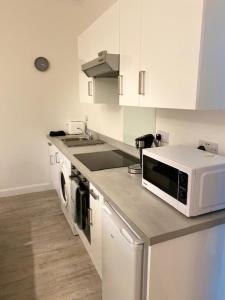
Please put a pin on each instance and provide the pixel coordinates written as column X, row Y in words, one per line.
column 41, row 64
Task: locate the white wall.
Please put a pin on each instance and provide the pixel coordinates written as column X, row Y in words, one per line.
column 187, row 127
column 31, row 102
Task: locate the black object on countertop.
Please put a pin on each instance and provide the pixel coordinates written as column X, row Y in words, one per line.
column 142, row 142
column 96, row 161
column 201, row 147
column 57, row 133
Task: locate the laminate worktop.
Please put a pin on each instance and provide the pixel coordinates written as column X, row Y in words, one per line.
column 153, row 219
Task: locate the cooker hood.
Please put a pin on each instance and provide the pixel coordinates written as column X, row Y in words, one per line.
column 106, row 65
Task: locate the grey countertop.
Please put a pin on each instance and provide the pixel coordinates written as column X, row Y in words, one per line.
column 153, row 219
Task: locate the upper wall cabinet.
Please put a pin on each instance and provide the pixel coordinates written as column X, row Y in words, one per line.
column 172, row 53
column 130, row 21
column 103, row 34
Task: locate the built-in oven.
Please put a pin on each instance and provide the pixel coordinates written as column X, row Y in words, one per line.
column 82, row 216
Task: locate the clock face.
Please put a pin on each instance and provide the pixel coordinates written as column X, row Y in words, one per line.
column 41, row 64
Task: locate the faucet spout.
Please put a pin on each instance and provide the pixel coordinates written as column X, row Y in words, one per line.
column 87, row 134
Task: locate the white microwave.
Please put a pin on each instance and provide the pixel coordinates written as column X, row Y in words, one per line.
column 191, row 180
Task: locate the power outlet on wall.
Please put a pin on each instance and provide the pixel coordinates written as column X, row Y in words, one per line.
column 165, row 136
column 209, row 146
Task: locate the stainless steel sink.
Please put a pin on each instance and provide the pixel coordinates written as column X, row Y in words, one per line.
column 81, row 141
column 81, row 138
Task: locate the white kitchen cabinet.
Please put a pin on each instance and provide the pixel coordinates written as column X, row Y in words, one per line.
column 103, row 34
column 170, row 45
column 130, row 13
column 191, row 267
column 94, row 248
column 96, row 201
column 54, row 161
column 181, row 53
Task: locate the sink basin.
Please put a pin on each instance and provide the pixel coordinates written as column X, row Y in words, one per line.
column 81, row 138
column 81, row 141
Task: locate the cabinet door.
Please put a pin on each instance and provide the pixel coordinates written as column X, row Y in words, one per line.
column 170, row 46
column 103, row 34
column 85, row 54
column 129, row 51
column 96, row 200
column 54, row 160
column 86, row 88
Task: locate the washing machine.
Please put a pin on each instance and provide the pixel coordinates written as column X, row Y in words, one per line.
column 65, row 191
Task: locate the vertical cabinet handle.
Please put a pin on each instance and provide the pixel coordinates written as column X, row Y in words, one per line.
column 141, row 87
column 90, row 220
column 52, row 161
column 120, row 85
column 57, row 159
column 90, row 90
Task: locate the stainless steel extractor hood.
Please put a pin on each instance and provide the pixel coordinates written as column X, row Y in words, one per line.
column 106, row 65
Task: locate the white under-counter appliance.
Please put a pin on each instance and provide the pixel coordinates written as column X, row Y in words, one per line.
column 190, row 180
column 122, row 262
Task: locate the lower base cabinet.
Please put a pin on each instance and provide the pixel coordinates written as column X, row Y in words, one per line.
column 94, row 248
column 54, row 161
column 122, row 258
column 96, row 201
column 191, row 267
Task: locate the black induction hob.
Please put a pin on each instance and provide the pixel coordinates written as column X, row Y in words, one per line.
column 96, row 161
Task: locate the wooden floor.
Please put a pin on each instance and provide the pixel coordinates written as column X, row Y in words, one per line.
column 39, row 256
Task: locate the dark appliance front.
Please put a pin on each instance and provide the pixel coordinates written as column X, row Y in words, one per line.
column 96, row 161
column 82, row 206
column 169, row 179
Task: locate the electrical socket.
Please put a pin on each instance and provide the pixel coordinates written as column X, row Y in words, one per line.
column 209, row 146
column 165, row 136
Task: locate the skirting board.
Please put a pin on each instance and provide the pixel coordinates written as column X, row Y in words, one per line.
column 26, row 189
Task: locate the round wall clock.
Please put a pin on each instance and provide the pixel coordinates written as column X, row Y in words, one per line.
column 41, row 64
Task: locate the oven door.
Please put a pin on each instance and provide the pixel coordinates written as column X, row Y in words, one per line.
column 82, row 210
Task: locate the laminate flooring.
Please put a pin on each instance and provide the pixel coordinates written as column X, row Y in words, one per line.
column 40, row 258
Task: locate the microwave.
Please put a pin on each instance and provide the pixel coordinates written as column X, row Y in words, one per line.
column 190, row 180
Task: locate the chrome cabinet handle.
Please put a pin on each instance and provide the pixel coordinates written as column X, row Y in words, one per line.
column 141, row 87
column 90, row 91
column 96, row 197
column 120, row 85
column 90, row 220
column 57, row 159
column 52, row 161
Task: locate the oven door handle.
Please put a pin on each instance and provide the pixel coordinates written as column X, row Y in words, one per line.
column 90, row 217
column 94, row 195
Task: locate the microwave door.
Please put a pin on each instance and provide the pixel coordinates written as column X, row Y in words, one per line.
column 161, row 175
